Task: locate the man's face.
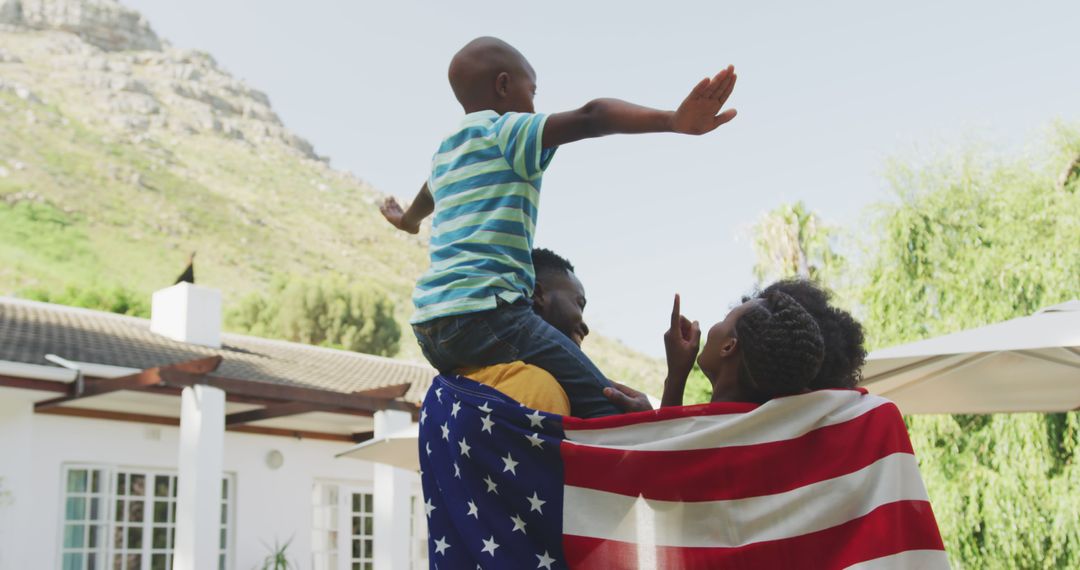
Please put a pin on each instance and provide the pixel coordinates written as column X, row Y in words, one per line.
column 560, row 300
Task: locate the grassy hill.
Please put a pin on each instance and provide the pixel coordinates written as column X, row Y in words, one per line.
column 116, row 162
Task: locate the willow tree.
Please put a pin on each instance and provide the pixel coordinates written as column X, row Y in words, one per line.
column 792, row 241
column 966, row 243
column 789, row 241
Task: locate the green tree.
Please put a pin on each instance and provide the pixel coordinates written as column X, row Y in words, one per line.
column 968, row 242
column 115, row 299
column 325, row 312
column 791, row 241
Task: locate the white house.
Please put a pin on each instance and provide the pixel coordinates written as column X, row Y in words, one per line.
column 116, row 431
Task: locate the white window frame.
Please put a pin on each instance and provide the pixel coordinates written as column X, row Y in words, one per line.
column 105, row 550
column 343, row 520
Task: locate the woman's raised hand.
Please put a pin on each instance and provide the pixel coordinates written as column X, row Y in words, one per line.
column 681, row 342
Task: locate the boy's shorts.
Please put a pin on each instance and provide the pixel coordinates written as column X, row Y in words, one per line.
column 514, row 332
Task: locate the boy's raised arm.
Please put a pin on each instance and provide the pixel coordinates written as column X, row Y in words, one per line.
column 409, row 220
column 697, row 115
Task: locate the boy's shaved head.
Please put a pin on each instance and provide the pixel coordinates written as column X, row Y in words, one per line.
column 476, row 76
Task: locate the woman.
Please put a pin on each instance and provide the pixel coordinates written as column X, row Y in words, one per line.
column 767, row 347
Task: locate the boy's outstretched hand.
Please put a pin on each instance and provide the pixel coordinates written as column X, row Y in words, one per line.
column 395, row 214
column 698, row 113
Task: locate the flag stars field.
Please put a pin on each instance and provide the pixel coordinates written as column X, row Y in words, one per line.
column 536, row 504
column 445, row 441
column 509, row 464
column 490, row 545
column 535, row 440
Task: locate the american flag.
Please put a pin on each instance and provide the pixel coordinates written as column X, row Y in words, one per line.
column 820, row 480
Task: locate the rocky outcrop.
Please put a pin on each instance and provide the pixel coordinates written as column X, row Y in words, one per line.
column 102, row 23
column 125, row 77
column 11, row 12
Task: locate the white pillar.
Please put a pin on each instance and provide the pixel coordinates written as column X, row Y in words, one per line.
column 198, row 496
column 392, row 489
column 20, row 540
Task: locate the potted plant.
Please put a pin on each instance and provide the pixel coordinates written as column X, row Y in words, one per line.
column 278, row 559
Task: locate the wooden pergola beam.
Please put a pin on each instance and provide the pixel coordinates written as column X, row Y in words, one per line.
column 294, row 408
column 286, row 392
column 170, row 421
column 34, row 384
column 238, row 399
column 270, row 412
column 385, row 392
column 146, row 378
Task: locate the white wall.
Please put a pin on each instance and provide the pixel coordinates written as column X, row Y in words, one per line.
column 269, row 503
column 16, row 476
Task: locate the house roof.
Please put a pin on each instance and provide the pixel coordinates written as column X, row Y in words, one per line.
column 29, row 330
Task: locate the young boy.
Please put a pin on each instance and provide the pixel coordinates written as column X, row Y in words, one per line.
column 472, row 305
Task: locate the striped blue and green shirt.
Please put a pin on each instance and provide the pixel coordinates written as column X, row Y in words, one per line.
column 485, row 179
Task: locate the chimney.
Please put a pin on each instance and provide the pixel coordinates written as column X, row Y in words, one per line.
column 187, row 313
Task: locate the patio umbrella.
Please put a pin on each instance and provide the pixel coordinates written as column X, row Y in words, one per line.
column 398, row 449
column 1028, row 364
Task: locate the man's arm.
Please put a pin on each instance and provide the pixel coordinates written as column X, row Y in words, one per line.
column 627, row 399
column 696, row 115
column 409, row 220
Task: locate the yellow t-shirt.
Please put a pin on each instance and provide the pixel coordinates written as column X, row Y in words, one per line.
column 528, row 384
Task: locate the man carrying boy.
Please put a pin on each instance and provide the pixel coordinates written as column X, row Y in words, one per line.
column 472, row 305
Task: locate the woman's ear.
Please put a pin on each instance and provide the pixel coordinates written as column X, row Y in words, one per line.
column 502, row 84
column 729, row 347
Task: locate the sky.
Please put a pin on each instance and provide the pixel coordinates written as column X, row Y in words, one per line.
column 828, row 93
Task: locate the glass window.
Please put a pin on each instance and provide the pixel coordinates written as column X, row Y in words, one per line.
column 361, row 537
column 84, row 520
column 343, row 529
column 140, row 530
column 324, row 526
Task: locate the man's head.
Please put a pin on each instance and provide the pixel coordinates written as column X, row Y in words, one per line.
column 489, row 73
column 559, row 297
column 765, row 348
column 843, row 335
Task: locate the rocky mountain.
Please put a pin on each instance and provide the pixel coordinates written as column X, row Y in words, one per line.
column 120, row 153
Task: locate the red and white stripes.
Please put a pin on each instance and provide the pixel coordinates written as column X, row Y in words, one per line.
column 822, row 480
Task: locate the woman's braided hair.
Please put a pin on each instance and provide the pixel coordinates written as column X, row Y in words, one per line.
column 843, row 335
column 781, row 345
